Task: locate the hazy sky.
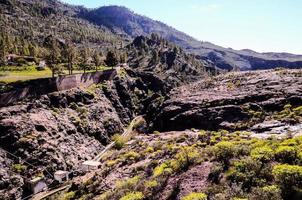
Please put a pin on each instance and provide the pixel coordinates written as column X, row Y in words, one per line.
column 261, row 25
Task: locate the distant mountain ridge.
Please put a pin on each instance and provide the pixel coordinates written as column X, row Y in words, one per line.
column 109, row 26
column 123, row 21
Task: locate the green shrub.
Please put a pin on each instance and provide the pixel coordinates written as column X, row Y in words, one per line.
column 203, row 136
column 187, row 156
column 195, row 196
column 127, row 184
column 286, row 154
column 73, row 106
column 289, row 142
column 19, row 168
column 82, row 111
column 224, row 151
column 263, row 154
column 214, row 175
column 156, row 132
column 271, row 192
column 120, row 141
column 132, row 155
column 68, row 196
column 151, row 184
column 243, row 172
column 163, row 169
column 288, row 175
column 133, row 196
column 298, row 111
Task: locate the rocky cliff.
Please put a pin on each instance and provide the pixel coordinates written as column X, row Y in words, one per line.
column 238, row 100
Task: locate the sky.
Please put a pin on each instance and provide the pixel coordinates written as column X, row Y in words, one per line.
column 260, row 25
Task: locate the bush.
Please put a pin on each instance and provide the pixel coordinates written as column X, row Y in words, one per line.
column 215, row 173
column 19, row 168
column 132, row 155
column 68, row 196
column 151, row 184
column 286, row 154
column 163, row 169
column 224, row 151
column 246, row 172
column 119, row 140
column 128, row 184
column 263, row 154
column 195, row 196
column 271, row 192
column 288, row 175
column 298, row 111
column 133, row 196
column 186, row 157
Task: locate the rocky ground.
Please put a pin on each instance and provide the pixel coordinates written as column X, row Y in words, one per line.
column 246, row 110
column 226, row 137
column 256, row 101
column 59, row 131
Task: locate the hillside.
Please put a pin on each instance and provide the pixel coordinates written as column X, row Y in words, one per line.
column 154, row 55
column 33, row 21
column 110, row 26
column 123, row 21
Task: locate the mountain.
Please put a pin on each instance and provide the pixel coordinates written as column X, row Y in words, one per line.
column 109, row 26
column 35, row 20
column 123, row 21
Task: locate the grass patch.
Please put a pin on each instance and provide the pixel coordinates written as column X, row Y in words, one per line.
column 9, row 74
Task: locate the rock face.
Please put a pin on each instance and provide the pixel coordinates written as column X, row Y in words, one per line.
column 61, row 130
column 230, row 101
column 10, row 182
column 58, row 131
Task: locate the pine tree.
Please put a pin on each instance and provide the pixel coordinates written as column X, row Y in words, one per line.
column 155, row 57
column 3, row 50
column 85, row 54
column 111, row 59
column 53, row 56
column 123, row 58
column 97, row 60
column 70, row 53
column 33, row 50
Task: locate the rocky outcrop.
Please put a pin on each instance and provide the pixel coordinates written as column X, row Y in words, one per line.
column 60, row 130
column 10, row 182
column 165, row 61
column 57, row 132
column 230, row 101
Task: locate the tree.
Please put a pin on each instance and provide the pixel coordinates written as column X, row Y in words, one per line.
column 33, row 50
column 70, row 53
column 97, row 60
column 123, row 58
column 85, row 54
column 154, row 36
column 53, row 56
column 25, row 49
column 3, row 51
column 111, row 59
column 155, row 57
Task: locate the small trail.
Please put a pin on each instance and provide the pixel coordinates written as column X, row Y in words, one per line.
column 43, row 195
column 127, row 131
